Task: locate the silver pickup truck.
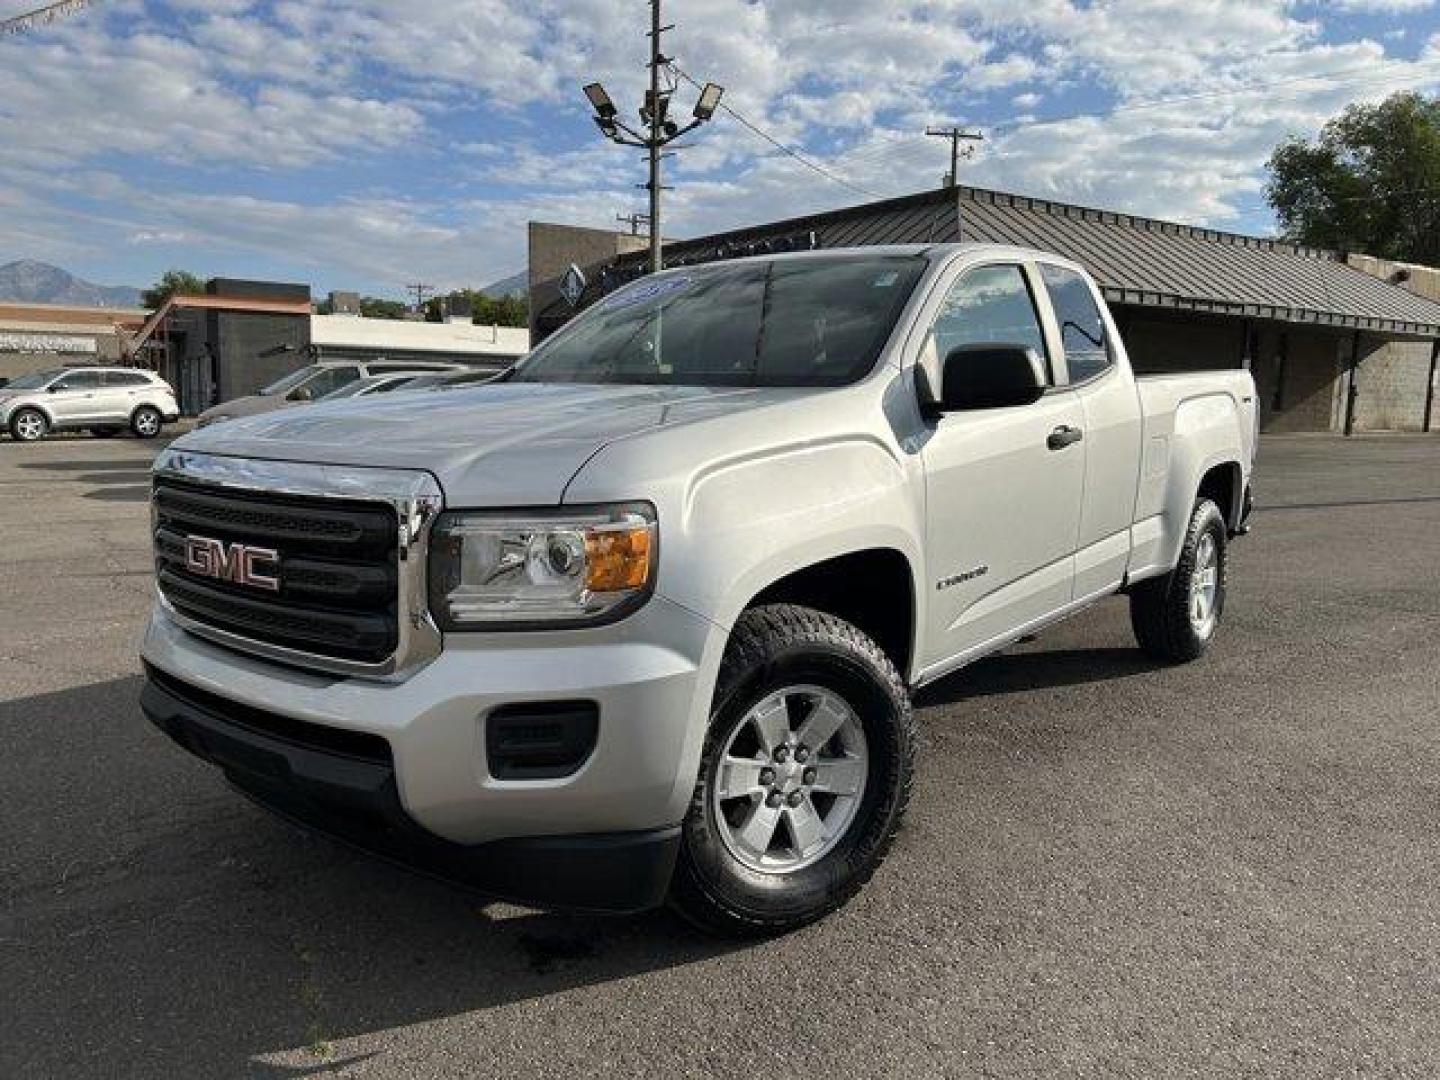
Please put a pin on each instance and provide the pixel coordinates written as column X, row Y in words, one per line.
column 641, row 620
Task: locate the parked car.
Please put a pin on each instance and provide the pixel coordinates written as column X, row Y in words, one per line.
column 104, row 400
column 373, row 384
column 311, row 383
column 455, row 379
column 642, row 621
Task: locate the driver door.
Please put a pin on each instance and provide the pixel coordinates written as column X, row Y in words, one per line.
column 74, row 398
column 1003, row 497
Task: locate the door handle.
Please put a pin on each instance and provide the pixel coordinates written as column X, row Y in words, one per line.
column 1064, row 436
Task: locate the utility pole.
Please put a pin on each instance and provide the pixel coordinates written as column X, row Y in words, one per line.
column 660, row 130
column 657, row 118
column 419, row 292
column 634, row 220
column 956, row 135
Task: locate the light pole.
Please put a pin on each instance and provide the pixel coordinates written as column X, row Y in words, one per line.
column 660, row 130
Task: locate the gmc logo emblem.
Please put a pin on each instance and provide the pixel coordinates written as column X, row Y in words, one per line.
column 237, row 563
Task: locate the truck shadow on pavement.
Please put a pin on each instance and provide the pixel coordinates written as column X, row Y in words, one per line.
column 161, row 925
column 1008, row 673
column 109, row 481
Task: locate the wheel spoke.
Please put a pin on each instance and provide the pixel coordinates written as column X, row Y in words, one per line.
column 839, row 776
column 772, row 724
column 806, row 828
column 759, row 829
column 823, row 722
column 738, row 777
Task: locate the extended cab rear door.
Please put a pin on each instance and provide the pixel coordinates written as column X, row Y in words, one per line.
column 1003, row 497
column 1096, row 369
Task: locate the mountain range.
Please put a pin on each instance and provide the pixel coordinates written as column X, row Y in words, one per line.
column 32, row 282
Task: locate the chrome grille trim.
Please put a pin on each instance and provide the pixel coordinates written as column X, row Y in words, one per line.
column 417, row 500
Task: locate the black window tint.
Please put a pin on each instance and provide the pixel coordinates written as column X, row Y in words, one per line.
column 990, row 305
column 125, row 378
column 1082, row 330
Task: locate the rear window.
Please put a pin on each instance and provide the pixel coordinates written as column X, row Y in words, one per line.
column 126, row 378
column 1082, row 330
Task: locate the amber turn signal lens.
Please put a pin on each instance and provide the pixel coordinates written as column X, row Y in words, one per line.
column 617, row 559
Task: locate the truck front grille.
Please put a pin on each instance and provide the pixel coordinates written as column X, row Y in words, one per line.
column 337, row 568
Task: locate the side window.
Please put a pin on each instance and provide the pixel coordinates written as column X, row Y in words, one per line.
column 79, row 380
column 990, row 305
column 125, row 378
column 1082, row 330
column 327, row 380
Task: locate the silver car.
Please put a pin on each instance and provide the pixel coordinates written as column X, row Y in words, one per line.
column 104, row 400
column 313, row 382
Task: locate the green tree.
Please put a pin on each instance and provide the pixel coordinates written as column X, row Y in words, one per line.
column 373, row 307
column 485, row 310
column 1370, row 183
column 171, row 282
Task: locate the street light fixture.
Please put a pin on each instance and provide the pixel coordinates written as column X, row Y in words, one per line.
column 709, row 101
column 658, row 129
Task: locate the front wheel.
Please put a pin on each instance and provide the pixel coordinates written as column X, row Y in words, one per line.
column 28, row 425
column 146, row 422
column 1175, row 617
column 805, row 775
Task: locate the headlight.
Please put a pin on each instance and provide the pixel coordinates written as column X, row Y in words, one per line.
column 513, row 571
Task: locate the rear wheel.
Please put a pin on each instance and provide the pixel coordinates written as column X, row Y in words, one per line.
column 1175, row 617
column 805, row 775
column 146, row 422
column 28, row 425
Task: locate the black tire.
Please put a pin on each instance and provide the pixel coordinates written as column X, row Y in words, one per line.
column 1161, row 608
column 146, row 422
column 28, row 425
column 104, row 432
column 774, row 648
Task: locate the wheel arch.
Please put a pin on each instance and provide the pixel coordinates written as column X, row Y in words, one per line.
column 872, row 588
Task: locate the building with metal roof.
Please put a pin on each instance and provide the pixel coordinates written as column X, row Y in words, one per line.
column 1310, row 325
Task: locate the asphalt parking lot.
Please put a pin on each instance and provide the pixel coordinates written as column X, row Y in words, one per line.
column 1227, row 869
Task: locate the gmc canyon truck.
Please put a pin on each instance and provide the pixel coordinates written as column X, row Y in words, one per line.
column 640, row 620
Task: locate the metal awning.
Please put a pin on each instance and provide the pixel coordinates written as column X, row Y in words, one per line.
column 1142, row 262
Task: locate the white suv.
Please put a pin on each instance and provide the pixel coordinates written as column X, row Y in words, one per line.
column 103, row 399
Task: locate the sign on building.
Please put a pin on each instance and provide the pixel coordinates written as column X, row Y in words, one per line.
column 52, row 344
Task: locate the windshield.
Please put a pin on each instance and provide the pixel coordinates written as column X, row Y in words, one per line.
column 783, row 322
column 289, row 382
column 35, row 380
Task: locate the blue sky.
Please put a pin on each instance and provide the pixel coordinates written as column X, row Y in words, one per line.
column 367, row 143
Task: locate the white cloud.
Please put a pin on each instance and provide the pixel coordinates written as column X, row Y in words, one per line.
column 1384, row 7
column 202, row 88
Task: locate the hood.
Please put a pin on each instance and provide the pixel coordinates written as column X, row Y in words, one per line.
column 505, row 444
column 252, row 405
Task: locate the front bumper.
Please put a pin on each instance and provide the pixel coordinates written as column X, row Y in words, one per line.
column 653, row 701
column 345, row 787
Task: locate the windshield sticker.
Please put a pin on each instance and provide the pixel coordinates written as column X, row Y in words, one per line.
column 887, row 279
column 650, row 290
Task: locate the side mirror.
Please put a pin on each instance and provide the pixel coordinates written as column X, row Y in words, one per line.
column 55, row 388
column 985, row 376
column 302, row 393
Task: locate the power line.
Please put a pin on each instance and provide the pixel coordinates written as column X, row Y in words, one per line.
column 1011, row 126
column 788, row 150
column 956, row 136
